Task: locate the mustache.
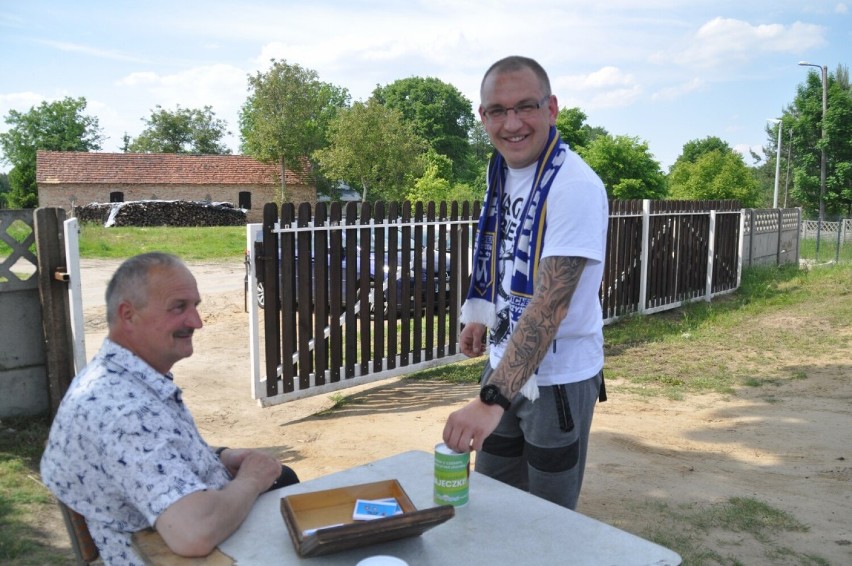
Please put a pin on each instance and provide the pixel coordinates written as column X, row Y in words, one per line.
column 185, row 333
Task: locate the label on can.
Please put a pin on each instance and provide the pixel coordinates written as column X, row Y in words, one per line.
column 452, row 476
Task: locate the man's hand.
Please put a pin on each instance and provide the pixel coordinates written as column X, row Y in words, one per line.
column 467, row 428
column 254, row 466
column 234, row 459
column 471, row 339
column 194, row 524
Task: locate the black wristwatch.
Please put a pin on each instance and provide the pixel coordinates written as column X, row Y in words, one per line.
column 490, row 395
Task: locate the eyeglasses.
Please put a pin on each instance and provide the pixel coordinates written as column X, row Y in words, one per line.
column 522, row 109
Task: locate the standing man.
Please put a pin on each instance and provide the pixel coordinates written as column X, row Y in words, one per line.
column 123, row 449
column 538, row 266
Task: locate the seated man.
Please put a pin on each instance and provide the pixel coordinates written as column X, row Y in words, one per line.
column 123, row 449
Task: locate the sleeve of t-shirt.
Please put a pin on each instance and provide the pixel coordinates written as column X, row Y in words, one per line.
column 577, row 213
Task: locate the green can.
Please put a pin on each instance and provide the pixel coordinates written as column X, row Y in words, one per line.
column 452, row 476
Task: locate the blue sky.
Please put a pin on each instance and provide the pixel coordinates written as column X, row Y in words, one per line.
column 663, row 71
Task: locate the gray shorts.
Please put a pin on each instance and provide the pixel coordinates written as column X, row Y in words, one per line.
column 540, row 446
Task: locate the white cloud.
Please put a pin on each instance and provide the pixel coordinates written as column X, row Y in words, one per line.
column 745, row 151
column 87, row 50
column 608, row 87
column 722, row 40
column 840, row 9
column 674, row 92
column 223, row 87
column 220, row 86
column 20, row 101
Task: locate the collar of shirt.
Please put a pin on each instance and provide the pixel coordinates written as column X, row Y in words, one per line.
column 162, row 385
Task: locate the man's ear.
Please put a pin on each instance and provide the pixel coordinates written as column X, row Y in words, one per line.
column 126, row 312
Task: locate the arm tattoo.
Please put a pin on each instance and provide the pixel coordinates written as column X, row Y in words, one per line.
column 556, row 281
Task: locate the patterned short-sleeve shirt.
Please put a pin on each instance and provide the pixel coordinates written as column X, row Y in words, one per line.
column 123, row 448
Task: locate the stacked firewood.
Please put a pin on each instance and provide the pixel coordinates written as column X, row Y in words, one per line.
column 162, row 213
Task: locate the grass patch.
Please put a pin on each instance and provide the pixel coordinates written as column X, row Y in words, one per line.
column 338, row 400
column 22, row 496
column 702, row 533
column 828, row 249
column 201, row 243
column 467, row 371
column 747, row 515
column 719, row 346
column 741, row 339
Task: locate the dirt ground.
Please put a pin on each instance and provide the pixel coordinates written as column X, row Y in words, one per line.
column 789, row 448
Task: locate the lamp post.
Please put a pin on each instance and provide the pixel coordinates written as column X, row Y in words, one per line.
column 777, row 161
column 824, row 70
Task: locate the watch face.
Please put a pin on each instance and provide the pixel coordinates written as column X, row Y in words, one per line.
column 490, row 394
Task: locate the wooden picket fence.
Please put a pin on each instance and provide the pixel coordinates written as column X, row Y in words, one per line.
column 353, row 329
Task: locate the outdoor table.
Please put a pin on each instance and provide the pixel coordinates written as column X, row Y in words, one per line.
column 500, row 525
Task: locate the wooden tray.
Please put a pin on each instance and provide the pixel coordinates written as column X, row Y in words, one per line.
column 307, row 511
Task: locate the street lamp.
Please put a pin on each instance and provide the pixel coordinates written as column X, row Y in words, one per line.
column 777, row 161
column 824, row 70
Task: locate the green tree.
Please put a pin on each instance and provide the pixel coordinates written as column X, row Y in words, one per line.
column 55, row 126
column 286, row 116
column 184, row 130
column 480, row 152
column 373, row 148
column 626, row 167
column 804, row 118
column 694, row 149
column 715, row 175
column 480, row 145
column 572, row 127
column 4, row 190
column 435, row 186
column 438, row 113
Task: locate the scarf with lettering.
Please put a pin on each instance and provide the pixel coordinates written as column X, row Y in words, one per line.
column 481, row 303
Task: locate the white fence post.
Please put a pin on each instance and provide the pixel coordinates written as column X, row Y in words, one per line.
column 75, row 292
column 254, row 317
column 711, row 252
column 646, row 234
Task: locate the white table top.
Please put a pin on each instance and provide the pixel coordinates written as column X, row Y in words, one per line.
column 500, row 525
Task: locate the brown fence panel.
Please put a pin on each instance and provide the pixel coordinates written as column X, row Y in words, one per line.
column 336, row 294
column 726, row 259
column 353, row 291
column 622, row 269
column 315, row 272
column 405, row 292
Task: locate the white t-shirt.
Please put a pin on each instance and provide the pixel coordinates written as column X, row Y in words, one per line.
column 577, row 219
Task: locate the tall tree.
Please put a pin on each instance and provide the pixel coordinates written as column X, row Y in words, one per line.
column 626, row 167
column 373, row 148
column 4, row 190
column 438, row 113
column 804, row 117
column 571, row 123
column 55, row 126
column 694, row 149
column 714, row 175
column 287, row 113
column 184, row 130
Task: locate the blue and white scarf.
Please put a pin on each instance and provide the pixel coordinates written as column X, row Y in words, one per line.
column 481, row 303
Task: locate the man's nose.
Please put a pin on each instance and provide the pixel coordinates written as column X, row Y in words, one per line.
column 194, row 319
column 512, row 119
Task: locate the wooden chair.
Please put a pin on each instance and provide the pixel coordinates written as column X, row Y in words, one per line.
column 81, row 539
